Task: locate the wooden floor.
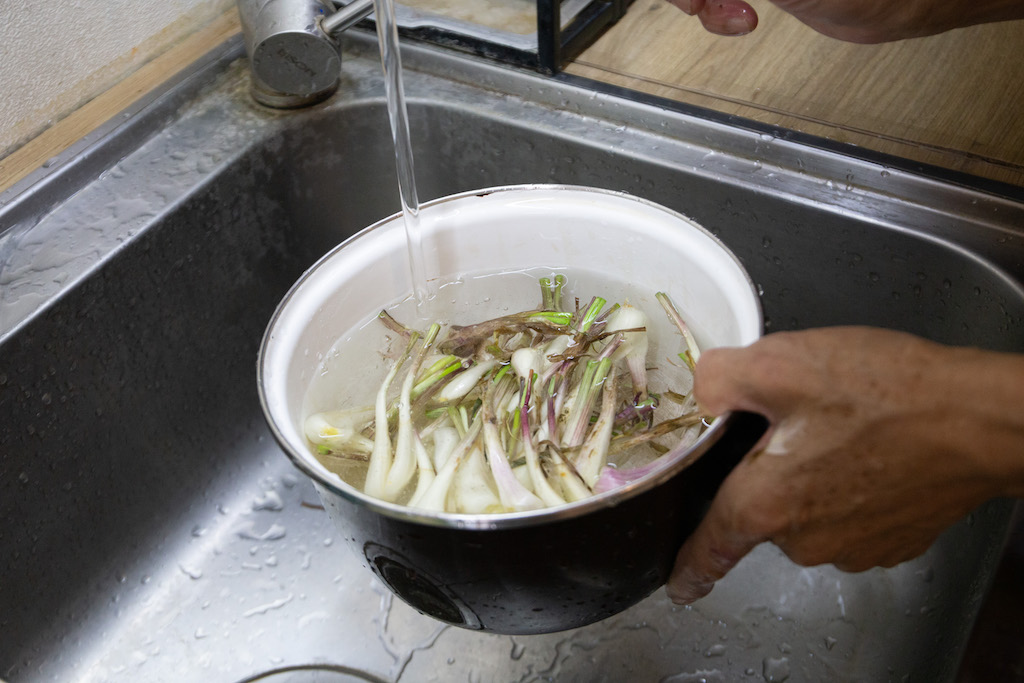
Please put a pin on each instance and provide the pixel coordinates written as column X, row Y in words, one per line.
column 955, row 100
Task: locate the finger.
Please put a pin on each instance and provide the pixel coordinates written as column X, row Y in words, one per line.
column 691, row 7
column 709, row 553
column 770, row 377
column 721, row 382
column 728, row 17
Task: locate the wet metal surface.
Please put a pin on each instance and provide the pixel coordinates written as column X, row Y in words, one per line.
column 151, row 530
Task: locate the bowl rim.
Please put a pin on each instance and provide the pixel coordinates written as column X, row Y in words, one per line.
column 672, row 462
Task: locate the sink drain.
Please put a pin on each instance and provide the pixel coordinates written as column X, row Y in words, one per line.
column 314, row 673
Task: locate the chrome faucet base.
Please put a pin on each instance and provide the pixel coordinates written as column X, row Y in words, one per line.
column 293, row 58
column 279, row 100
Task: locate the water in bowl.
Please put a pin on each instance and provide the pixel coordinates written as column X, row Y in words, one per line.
column 350, row 373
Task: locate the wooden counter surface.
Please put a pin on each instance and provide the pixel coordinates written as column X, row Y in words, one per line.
column 110, row 103
column 955, row 100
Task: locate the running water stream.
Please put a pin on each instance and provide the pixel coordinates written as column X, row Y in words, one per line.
column 387, row 34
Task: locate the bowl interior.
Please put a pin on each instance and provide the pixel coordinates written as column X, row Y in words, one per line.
column 519, row 230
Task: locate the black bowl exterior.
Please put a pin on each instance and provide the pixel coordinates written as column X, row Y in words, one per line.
column 548, row 577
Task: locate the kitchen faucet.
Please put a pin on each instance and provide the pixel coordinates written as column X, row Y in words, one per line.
column 293, row 56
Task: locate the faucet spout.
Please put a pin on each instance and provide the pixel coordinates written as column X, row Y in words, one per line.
column 294, row 59
column 348, row 15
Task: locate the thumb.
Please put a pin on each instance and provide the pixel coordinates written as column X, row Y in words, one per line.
column 728, row 17
column 726, row 379
column 710, row 552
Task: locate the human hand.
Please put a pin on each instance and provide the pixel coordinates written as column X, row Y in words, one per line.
column 863, row 21
column 879, row 440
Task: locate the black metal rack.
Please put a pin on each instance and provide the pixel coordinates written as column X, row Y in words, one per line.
column 556, row 45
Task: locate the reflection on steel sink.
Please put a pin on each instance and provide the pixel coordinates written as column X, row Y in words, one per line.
column 153, row 531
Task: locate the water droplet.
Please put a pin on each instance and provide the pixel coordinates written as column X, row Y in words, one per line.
column 275, row 533
column 775, row 670
column 263, row 609
column 270, row 500
column 191, row 572
column 518, row 649
column 716, row 650
column 830, row 642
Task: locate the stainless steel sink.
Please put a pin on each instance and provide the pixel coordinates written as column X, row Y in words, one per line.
column 152, row 531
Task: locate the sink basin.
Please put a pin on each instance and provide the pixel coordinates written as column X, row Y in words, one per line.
column 152, row 530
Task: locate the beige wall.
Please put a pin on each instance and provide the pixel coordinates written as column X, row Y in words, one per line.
column 55, row 56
